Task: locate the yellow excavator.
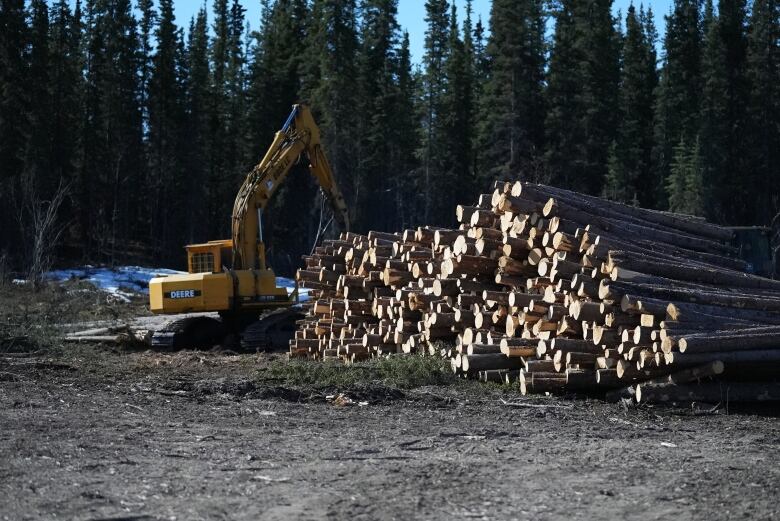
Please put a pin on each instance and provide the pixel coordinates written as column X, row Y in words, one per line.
column 231, row 277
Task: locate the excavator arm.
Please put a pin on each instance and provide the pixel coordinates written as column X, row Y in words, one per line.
column 299, row 135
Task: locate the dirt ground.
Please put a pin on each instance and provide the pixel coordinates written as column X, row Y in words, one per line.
column 95, row 434
column 98, row 433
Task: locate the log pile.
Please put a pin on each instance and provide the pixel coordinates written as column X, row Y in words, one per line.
column 553, row 291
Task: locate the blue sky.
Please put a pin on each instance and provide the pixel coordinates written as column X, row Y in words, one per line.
column 411, row 15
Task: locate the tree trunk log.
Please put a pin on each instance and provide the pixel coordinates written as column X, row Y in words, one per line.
column 714, row 392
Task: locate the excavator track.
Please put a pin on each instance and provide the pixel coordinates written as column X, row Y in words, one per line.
column 189, row 333
column 272, row 331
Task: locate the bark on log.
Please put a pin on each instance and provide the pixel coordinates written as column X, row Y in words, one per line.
column 619, row 210
column 108, row 339
column 739, row 341
column 473, row 363
column 681, row 272
column 615, row 291
column 541, row 382
column 714, row 392
column 727, row 357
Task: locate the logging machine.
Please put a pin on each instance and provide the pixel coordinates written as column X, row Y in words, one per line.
column 759, row 246
column 232, row 276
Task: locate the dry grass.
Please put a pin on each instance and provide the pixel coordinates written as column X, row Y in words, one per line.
column 402, row 372
column 32, row 320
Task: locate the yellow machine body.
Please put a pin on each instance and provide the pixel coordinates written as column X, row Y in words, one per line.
column 248, row 285
column 245, row 290
column 190, row 293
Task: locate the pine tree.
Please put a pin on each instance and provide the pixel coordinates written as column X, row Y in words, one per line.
column 404, row 138
column 481, row 75
column 197, row 98
column 66, row 89
column 513, row 109
column 376, row 100
column 679, row 89
column 14, row 34
column 480, row 52
column 684, row 185
column 600, row 71
column 763, row 73
column 37, row 160
column 166, row 124
column 432, row 149
column 723, row 122
column 235, row 85
column 582, row 95
column 274, row 86
column 631, row 177
column 112, row 212
column 330, row 85
column 145, row 32
column 13, row 81
column 468, row 41
column 565, row 134
column 676, row 182
column 694, row 182
column 274, row 75
column 328, row 77
column 457, row 125
column 219, row 184
column 257, row 86
column 128, row 216
column 473, row 48
column 226, row 113
column 91, row 44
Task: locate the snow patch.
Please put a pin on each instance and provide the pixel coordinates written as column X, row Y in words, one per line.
column 133, row 278
column 125, row 281
column 289, row 285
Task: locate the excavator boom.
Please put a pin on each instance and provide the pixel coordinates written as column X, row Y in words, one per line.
column 299, row 135
column 240, row 292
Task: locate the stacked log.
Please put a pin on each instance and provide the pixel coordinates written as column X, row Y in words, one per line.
column 551, row 290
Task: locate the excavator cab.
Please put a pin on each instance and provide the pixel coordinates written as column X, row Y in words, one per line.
column 759, row 246
column 755, row 248
column 209, row 257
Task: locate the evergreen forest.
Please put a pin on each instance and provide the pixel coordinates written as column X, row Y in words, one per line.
column 125, row 132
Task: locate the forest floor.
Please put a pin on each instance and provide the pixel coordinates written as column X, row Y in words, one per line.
column 98, row 433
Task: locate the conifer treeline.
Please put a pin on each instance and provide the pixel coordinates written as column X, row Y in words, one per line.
column 151, row 128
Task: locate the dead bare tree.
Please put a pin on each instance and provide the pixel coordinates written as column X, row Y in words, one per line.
column 41, row 228
column 5, row 269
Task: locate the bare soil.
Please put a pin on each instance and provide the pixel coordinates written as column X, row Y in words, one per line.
column 93, row 433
